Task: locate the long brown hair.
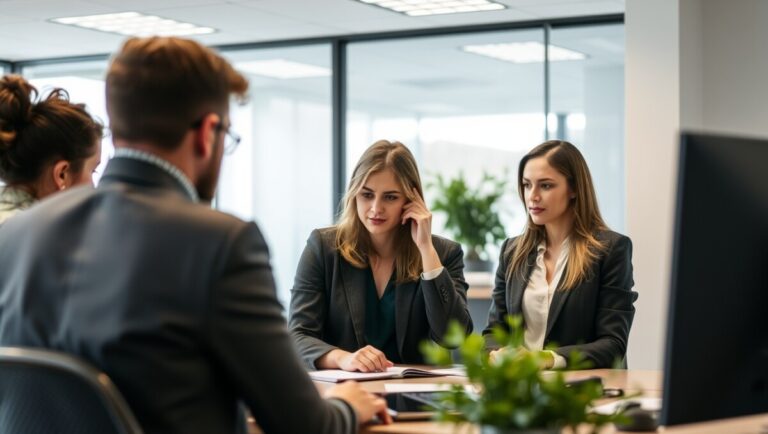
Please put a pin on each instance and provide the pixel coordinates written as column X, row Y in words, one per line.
column 352, row 239
column 584, row 246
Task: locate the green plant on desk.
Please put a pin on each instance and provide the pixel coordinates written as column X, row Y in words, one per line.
column 515, row 395
column 471, row 212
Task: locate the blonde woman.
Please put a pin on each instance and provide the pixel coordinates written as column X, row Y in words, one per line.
column 568, row 275
column 371, row 288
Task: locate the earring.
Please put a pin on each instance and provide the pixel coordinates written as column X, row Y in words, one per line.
column 62, row 187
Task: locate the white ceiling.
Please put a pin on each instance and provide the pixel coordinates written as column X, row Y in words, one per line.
column 26, row 33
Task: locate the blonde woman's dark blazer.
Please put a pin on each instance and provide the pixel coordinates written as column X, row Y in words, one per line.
column 593, row 318
column 328, row 301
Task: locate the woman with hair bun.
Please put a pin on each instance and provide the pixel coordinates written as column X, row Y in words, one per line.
column 45, row 146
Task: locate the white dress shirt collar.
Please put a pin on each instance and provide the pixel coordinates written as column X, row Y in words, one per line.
column 166, row 166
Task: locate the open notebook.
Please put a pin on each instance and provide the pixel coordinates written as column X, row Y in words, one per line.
column 337, row 375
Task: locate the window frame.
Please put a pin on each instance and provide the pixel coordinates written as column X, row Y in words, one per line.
column 339, row 68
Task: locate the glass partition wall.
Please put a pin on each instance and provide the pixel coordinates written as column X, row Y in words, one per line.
column 471, row 102
column 459, row 107
column 587, row 107
column 281, row 174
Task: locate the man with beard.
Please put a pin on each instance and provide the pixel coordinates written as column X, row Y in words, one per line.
column 173, row 300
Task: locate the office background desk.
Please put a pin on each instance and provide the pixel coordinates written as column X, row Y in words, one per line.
column 647, row 382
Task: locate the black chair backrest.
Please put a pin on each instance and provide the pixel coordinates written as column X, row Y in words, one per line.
column 45, row 391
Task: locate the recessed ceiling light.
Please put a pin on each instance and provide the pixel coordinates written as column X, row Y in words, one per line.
column 524, row 52
column 282, row 69
column 134, row 24
column 420, row 8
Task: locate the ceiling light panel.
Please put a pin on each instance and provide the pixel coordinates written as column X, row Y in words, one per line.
column 420, row 8
column 282, row 69
column 524, row 52
column 135, row 24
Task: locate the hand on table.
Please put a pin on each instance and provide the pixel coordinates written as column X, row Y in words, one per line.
column 366, row 359
column 365, row 404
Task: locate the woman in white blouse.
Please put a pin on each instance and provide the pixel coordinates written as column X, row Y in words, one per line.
column 568, row 275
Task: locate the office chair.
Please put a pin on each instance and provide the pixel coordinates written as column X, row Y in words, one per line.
column 45, row 391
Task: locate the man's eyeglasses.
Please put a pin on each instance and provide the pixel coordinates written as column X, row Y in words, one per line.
column 231, row 140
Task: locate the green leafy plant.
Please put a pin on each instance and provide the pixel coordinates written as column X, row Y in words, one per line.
column 513, row 391
column 472, row 216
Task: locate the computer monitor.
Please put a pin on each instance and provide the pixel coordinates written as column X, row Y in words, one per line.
column 716, row 362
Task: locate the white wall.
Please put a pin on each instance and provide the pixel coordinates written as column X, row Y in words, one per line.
column 735, row 66
column 603, row 108
column 652, row 121
column 690, row 64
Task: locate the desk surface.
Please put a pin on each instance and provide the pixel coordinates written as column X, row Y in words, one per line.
column 647, row 382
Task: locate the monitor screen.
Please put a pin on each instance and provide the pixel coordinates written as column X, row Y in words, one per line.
column 716, row 361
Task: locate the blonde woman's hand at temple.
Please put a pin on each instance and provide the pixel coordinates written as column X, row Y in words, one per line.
column 417, row 212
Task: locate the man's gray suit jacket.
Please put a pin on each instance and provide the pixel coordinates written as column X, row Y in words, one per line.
column 173, row 300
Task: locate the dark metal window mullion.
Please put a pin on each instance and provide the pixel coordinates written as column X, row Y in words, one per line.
column 547, row 108
column 9, row 67
column 339, row 120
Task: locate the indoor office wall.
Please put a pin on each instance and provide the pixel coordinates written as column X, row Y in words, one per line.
column 587, row 108
column 461, row 112
column 281, row 174
column 469, row 114
column 732, row 64
column 457, row 110
column 653, row 108
column 690, row 64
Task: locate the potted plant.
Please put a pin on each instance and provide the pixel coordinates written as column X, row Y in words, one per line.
column 472, row 216
column 514, row 394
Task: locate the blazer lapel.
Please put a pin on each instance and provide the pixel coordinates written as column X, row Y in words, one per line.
column 558, row 300
column 353, row 283
column 403, row 303
column 517, row 286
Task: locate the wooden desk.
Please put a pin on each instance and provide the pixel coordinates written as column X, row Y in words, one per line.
column 631, row 380
column 647, row 382
column 480, row 284
column 479, row 293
